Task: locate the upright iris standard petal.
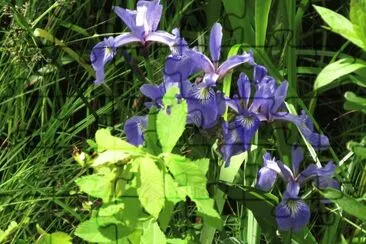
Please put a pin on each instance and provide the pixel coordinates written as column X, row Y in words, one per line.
column 102, row 53
column 266, row 176
column 279, row 97
column 292, row 213
column 202, row 61
column 215, row 42
column 244, row 88
column 129, row 18
column 134, row 129
column 297, row 157
column 149, row 14
column 259, row 73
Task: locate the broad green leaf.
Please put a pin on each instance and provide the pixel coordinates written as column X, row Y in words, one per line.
column 346, row 202
column 150, row 186
column 202, row 164
column 106, row 141
column 261, row 21
column 354, row 102
column 5, row 234
column 56, row 237
column 110, row 156
column 150, row 135
column 111, row 209
column 205, row 208
column 99, row 185
column 102, row 230
column 171, row 122
column 340, row 25
column 152, row 233
column 184, row 170
column 171, row 187
column 358, row 17
column 192, row 182
column 335, row 70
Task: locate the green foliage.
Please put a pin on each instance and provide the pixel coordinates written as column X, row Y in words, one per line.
column 341, row 25
column 336, row 70
column 56, row 237
column 347, row 203
column 354, row 102
column 155, row 182
column 150, row 186
column 170, row 122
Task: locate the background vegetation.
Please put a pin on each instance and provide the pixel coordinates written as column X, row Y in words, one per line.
column 49, row 106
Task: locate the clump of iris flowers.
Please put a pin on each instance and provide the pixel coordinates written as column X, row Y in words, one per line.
column 266, row 103
column 293, row 213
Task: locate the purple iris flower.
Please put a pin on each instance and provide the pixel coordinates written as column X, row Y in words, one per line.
column 142, row 23
column 293, row 213
column 268, row 104
column 135, row 128
column 212, row 69
column 205, row 105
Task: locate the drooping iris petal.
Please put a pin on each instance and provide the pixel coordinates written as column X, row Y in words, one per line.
column 324, row 182
column 313, row 171
column 154, row 92
column 244, row 88
column 134, row 129
column 292, row 214
column 124, row 39
column 161, row 37
column 202, row 99
column 102, row 53
column 319, row 142
column 234, row 61
column 297, row 157
column 215, row 42
column 233, row 144
column 247, row 125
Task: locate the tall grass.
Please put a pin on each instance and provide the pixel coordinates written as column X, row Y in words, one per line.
column 49, row 106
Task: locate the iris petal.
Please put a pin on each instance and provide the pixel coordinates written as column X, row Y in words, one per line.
column 215, row 42
column 134, row 129
column 292, row 214
column 102, row 53
column 234, row 61
column 265, row 179
column 318, row 141
column 247, row 126
column 244, row 88
column 152, row 15
column 297, row 157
